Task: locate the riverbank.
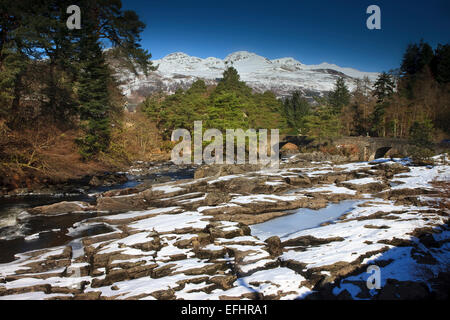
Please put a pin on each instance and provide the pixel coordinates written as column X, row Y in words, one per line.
column 196, row 238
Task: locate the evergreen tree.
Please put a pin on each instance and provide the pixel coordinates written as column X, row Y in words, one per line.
column 383, row 90
column 231, row 82
column 378, row 120
column 323, row 123
column 340, row 96
column 295, row 109
column 416, row 57
column 93, row 95
column 421, row 133
column 227, row 111
column 441, row 63
column 198, row 87
column 383, row 87
column 266, row 112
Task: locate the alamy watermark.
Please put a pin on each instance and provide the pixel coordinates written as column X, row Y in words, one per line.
column 74, row 20
column 374, row 21
column 213, row 153
column 374, row 280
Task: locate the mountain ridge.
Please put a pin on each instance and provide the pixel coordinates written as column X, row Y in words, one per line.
column 282, row 75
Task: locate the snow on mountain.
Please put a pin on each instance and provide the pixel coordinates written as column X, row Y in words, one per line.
column 282, row 76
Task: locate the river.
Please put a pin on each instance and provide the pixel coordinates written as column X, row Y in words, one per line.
column 19, row 235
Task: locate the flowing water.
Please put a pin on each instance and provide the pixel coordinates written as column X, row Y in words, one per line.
column 19, row 234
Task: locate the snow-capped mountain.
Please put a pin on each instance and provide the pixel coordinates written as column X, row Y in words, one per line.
column 282, row 76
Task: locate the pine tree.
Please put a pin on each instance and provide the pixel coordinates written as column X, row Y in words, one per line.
column 383, row 87
column 198, row 87
column 227, row 111
column 340, row 96
column 231, row 81
column 383, row 90
column 441, row 63
column 323, row 123
column 93, row 96
column 295, row 109
column 416, row 57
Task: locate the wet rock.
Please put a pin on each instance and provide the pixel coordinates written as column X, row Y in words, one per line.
column 95, row 182
column 121, row 192
column 61, row 208
column 108, row 180
column 156, row 193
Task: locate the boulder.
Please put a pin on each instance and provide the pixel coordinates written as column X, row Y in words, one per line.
column 274, row 246
column 122, row 203
column 61, row 208
column 289, row 149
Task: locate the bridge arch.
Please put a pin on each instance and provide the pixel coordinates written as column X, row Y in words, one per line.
column 381, row 152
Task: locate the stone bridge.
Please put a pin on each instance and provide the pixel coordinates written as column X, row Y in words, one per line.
column 369, row 148
column 361, row 148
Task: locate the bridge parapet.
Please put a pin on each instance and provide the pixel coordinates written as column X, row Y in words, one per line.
column 370, row 148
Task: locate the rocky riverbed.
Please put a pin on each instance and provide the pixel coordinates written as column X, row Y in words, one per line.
column 307, row 230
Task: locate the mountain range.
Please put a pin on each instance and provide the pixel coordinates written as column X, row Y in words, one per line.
column 282, row 76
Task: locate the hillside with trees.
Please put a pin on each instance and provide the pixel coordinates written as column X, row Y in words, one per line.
column 59, row 103
column 400, row 104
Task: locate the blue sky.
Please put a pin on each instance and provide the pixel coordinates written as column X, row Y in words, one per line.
column 311, row 31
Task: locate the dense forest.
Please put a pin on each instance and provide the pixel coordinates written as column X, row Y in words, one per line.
column 62, row 112
column 60, row 106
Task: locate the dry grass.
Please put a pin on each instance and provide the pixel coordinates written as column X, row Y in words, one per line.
column 46, row 153
column 137, row 139
column 33, row 156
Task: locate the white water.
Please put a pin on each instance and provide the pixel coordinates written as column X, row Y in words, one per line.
column 301, row 219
